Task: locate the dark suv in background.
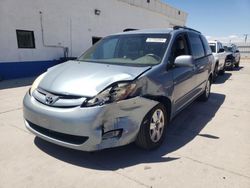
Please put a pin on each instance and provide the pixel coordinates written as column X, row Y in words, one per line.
column 233, row 56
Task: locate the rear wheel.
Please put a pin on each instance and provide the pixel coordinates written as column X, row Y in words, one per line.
column 153, row 128
column 221, row 72
column 237, row 64
column 233, row 64
column 205, row 95
column 215, row 73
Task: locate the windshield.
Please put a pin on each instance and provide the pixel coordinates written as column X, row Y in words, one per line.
column 228, row 49
column 131, row 49
column 213, row 47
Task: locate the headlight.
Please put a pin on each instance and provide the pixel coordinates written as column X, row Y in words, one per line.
column 119, row 91
column 36, row 83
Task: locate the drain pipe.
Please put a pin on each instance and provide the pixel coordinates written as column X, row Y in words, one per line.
column 65, row 49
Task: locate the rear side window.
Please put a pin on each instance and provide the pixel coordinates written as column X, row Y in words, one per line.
column 196, row 45
column 206, row 46
column 219, row 47
column 213, row 47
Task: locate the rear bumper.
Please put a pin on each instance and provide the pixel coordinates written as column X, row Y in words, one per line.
column 83, row 128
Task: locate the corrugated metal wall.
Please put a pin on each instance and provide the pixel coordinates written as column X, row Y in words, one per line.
column 244, row 49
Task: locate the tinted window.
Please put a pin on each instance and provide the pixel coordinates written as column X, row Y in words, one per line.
column 206, row 46
column 230, row 49
column 213, row 47
column 196, row 45
column 180, row 47
column 95, row 39
column 25, row 39
column 219, row 46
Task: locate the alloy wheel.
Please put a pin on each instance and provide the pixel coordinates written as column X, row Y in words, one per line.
column 156, row 125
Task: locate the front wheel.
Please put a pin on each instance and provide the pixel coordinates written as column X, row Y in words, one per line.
column 153, row 128
column 237, row 64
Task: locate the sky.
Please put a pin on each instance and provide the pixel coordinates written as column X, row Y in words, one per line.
column 224, row 20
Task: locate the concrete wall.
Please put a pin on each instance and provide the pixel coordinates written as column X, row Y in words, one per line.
column 73, row 23
column 244, row 49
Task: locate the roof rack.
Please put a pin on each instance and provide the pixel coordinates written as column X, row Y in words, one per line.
column 184, row 27
column 129, row 29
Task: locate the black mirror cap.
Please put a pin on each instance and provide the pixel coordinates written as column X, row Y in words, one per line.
column 237, row 51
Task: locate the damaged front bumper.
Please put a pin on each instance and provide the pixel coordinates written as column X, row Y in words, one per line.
column 87, row 128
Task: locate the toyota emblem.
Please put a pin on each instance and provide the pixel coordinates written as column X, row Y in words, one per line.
column 50, row 99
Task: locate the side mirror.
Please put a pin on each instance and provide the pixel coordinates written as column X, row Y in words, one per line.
column 184, row 61
column 237, row 51
column 221, row 50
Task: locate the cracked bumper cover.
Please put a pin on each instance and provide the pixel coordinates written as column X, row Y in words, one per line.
column 89, row 122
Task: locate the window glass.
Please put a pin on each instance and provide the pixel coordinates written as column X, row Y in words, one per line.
column 25, row 39
column 206, row 46
column 213, row 47
column 131, row 49
column 106, row 51
column 179, row 47
column 95, row 39
column 219, row 46
column 196, row 45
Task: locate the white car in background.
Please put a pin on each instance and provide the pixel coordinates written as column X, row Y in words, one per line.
column 220, row 57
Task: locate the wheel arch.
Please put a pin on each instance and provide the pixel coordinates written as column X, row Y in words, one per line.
column 165, row 101
column 217, row 62
column 210, row 77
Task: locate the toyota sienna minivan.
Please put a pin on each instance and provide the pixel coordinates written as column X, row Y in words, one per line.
column 126, row 88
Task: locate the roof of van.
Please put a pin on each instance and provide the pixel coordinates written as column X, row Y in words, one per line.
column 146, row 31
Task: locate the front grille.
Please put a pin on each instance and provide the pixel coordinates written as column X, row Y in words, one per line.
column 62, row 96
column 72, row 139
column 57, row 100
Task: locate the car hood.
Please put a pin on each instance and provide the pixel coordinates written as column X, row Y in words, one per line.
column 85, row 78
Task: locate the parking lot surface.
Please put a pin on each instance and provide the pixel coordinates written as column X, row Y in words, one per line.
column 207, row 145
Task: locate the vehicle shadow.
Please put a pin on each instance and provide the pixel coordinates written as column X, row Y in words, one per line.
column 14, row 83
column 223, row 78
column 236, row 68
column 184, row 128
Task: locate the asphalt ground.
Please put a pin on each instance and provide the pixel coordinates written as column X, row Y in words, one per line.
column 207, row 145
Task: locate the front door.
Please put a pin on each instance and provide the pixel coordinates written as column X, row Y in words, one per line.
column 183, row 77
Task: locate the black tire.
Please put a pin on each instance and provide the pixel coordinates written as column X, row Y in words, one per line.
column 144, row 138
column 215, row 73
column 205, row 95
column 237, row 65
column 221, row 72
column 233, row 64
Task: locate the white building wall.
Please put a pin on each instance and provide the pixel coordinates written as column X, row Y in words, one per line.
column 73, row 23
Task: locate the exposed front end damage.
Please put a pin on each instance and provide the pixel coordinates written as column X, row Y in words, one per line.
column 87, row 128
